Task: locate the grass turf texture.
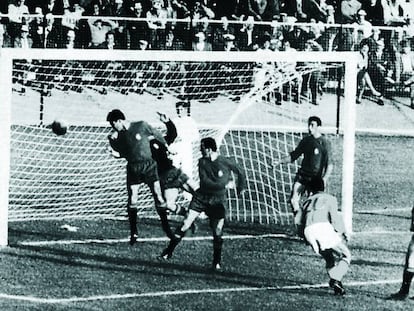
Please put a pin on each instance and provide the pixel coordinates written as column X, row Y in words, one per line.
column 263, row 273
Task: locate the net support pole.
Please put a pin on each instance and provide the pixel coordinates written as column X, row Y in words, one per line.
column 5, row 115
column 349, row 122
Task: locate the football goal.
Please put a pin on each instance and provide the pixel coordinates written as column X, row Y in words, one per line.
column 256, row 104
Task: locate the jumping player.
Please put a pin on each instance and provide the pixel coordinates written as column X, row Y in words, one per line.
column 408, row 267
column 130, row 140
column 324, row 230
column 172, row 178
column 215, row 178
column 316, row 151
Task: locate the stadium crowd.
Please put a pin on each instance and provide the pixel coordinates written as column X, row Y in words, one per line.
column 381, row 30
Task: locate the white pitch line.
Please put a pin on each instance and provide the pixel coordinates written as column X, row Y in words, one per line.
column 188, row 292
column 384, row 210
column 158, row 239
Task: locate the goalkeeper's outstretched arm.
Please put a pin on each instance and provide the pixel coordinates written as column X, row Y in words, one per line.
column 284, row 160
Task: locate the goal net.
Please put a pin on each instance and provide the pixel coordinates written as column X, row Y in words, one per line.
column 256, row 104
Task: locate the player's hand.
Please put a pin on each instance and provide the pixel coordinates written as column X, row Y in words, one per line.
column 231, row 185
column 163, row 117
column 114, row 153
column 113, row 135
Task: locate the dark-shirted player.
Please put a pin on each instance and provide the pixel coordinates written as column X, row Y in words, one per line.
column 324, row 230
column 408, row 273
column 215, row 172
column 316, row 151
column 130, row 140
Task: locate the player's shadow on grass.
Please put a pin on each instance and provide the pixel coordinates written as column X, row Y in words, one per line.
column 149, row 268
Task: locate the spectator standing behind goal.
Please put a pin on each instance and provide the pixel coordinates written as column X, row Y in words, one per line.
column 316, row 151
column 324, row 230
column 408, row 267
column 130, row 140
column 215, row 178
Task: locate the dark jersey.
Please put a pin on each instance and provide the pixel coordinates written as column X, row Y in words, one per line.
column 133, row 143
column 316, row 155
column 215, row 175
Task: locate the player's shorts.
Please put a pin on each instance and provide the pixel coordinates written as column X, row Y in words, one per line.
column 322, row 236
column 213, row 205
column 173, row 178
column 142, row 172
column 410, row 256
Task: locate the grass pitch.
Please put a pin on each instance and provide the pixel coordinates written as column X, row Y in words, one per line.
column 264, row 267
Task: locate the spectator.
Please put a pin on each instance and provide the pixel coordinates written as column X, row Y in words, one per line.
column 393, row 13
column 328, row 39
column 143, row 45
column 363, row 77
column 380, row 68
column 229, row 44
column 138, row 29
column 36, row 29
column 16, row 11
column 99, row 28
column 362, row 27
column 247, row 35
column 25, row 42
column 109, row 43
column 312, row 81
column 220, row 30
column 298, row 37
column 200, row 43
column 348, row 11
column 330, row 14
column 404, row 75
column 2, row 31
column 157, row 21
column 375, row 12
column 263, row 10
column 315, row 9
column 172, row 42
column 228, row 9
column 70, row 40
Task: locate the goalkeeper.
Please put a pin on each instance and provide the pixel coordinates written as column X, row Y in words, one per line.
column 130, row 140
column 215, row 172
column 172, row 178
column 316, row 151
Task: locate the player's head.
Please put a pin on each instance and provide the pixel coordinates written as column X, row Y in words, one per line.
column 314, row 123
column 207, row 146
column 316, row 185
column 114, row 117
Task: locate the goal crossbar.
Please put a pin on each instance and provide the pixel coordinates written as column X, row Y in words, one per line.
column 347, row 129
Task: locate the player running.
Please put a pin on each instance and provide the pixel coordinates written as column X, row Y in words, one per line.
column 215, row 178
column 408, row 267
column 130, row 140
column 316, row 151
column 324, row 230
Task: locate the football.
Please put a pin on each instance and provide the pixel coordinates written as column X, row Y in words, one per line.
column 59, row 127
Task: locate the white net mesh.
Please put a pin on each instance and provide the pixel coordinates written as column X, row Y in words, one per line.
column 258, row 109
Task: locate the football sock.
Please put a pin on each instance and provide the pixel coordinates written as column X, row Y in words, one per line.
column 339, row 270
column 165, row 224
column 132, row 217
column 217, row 246
column 407, row 278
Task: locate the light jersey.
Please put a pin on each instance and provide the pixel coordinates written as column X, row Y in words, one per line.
column 322, row 208
column 215, row 175
column 182, row 150
column 316, row 155
column 133, row 143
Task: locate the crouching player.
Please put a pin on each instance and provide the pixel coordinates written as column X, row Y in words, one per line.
column 408, row 267
column 215, row 177
column 324, row 230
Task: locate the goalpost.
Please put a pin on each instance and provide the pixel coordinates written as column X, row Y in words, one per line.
column 256, row 104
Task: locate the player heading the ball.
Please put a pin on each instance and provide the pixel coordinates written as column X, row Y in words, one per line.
column 131, row 140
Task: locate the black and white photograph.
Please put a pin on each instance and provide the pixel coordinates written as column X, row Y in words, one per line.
column 206, row 155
